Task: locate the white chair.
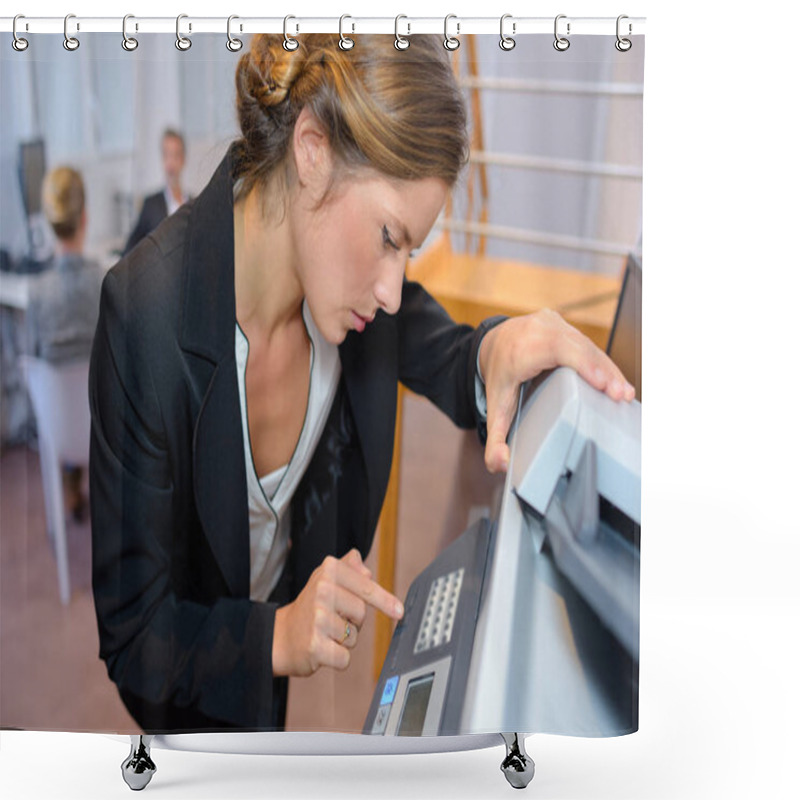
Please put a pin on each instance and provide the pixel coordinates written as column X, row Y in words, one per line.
column 60, row 397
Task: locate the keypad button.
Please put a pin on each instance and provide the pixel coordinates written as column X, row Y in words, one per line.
column 439, row 616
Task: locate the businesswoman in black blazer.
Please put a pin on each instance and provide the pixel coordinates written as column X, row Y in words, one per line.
column 244, row 377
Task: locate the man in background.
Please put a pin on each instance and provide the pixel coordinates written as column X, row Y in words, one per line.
column 160, row 205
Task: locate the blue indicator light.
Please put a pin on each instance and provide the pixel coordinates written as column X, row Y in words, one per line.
column 389, row 690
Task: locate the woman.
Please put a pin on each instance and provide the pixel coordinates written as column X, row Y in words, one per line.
column 63, row 303
column 244, row 380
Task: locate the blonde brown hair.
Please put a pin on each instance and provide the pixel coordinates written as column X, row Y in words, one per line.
column 398, row 112
column 63, row 200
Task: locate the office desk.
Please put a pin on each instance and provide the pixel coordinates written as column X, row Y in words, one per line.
column 14, row 410
column 14, row 289
column 472, row 288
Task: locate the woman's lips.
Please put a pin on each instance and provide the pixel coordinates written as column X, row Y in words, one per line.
column 359, row 322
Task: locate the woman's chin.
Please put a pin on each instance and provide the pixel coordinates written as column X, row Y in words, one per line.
column 334, row 334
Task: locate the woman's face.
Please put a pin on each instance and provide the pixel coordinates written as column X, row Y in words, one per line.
column 351, row 251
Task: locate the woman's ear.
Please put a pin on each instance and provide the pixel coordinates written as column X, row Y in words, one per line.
column 311, row 152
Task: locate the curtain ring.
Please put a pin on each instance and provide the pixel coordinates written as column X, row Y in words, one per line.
column 506, row 42
column 70, row 42
column 400, row 42
column 128, row 42
column 345, row 42
column 623, row 45
column 183, row 43
column 19, row 44
column 289, row 42
column 561, row 43
column 233, row 44
column 450, row 42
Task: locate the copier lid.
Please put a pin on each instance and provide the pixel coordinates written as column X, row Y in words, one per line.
column 559, row 414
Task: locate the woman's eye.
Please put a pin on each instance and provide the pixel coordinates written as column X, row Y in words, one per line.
column 387, row 239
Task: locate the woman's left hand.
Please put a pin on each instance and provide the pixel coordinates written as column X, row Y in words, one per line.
column 520, row 348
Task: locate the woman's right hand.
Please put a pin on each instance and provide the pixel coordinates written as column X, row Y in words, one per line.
column 310, row 631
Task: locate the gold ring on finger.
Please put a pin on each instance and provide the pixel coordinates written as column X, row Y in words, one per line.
column 347, row 631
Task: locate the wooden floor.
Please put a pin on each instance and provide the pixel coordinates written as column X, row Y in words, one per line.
column 51, row 677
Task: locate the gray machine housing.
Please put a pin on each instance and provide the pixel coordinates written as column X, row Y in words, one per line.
column 556, row 646
column 548, row 640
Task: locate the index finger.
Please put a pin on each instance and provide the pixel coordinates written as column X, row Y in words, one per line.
column 353, row 557
column 368, row 590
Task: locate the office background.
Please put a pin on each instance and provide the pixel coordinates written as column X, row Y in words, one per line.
column 103, row 111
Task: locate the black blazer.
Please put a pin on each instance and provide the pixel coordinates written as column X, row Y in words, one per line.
column 182, row 640
column 154, row 211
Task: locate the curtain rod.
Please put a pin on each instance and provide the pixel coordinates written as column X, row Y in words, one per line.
column 406, row 26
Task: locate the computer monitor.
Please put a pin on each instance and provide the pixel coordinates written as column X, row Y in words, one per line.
column 625, row 342
column 32, row 169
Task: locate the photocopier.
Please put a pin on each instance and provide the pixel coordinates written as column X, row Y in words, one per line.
column 529, row 621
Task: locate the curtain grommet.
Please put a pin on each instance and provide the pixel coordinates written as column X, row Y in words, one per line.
column 561, row 43
column 183, row 43
column 623, row 44
column 233, row 44
column 451, row 42
column 18, row 43
column 71, row 43
column 345, row 42
column 401, row 42
column 129, row 43
column 507, row 42
column 290, row 44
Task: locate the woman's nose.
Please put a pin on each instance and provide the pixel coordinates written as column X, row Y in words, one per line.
column 389, row 289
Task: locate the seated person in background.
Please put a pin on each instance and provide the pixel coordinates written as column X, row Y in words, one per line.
column 64, row 302
column 159, row 206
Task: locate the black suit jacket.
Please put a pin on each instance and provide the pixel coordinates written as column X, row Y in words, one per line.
column 186, row 646
column 154, row 211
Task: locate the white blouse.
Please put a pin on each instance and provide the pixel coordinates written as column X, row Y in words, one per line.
column 269, row 496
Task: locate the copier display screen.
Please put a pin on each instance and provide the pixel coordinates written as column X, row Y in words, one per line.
column 412, row 720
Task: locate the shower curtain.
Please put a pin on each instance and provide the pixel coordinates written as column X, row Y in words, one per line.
column 550, row 204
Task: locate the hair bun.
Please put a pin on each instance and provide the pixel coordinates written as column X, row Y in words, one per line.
column 401, row 115
column 269, row 70
column 63, row 200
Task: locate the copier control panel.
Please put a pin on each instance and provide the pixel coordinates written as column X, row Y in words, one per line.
column 424, row 676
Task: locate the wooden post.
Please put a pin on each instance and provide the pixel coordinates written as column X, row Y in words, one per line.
column 387, row 541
